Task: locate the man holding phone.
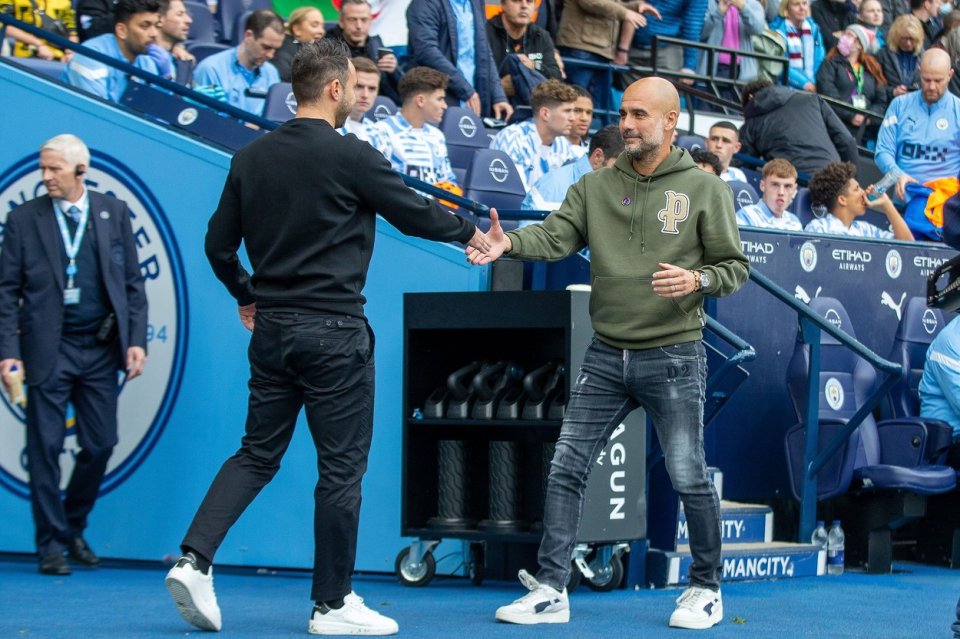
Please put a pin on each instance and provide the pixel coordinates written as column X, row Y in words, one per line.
column 353, row 28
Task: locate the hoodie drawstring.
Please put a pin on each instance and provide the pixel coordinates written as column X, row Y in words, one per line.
column 633, row 213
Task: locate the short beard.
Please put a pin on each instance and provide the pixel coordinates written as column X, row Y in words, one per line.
column 342, row 113
column 646, row 150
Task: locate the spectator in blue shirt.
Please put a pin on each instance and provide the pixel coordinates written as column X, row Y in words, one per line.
column 136, row 27
column 920, row 134
column 451, row 36
column 548, row 192
column 244, row 72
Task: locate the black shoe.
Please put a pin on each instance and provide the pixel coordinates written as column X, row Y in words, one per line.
column 54, row 564
column 80, row 552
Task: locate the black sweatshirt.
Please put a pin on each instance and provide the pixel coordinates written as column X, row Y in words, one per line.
column 304, row 200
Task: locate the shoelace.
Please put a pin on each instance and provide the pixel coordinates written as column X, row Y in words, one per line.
column 689, row 599
column 354, row 601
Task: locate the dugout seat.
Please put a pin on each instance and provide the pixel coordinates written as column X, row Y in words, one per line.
column 465, row 134
column 743, row 194
column 383, row 107
column 493, row 179
column 203, row 28
column 280, row 104
column 879, row 478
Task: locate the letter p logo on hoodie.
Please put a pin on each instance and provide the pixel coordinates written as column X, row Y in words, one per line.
column 676, row 211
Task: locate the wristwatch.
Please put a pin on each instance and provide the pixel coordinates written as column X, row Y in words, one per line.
column 705, row 280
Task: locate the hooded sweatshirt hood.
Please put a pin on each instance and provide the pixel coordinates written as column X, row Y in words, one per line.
column 768, row 100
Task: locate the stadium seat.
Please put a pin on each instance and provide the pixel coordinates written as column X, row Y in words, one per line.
column 492, row 179
column 880, row 476
column 47, row 68
column 280, row 104
column 383, row 107
column 753, row 177
column 743, row 194
column 465, row 134
column 201, row 50
column 691, row 142
column 229, row 10
column 919, row 325
column 239, row 22
column 801, row 206
column 203, row 28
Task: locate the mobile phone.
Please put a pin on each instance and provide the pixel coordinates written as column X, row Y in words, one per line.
column 383, row 51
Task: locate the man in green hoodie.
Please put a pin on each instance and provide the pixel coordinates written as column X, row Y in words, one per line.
column 662, row 235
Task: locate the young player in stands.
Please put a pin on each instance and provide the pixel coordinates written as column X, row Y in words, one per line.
column 779, row 187
column 409, row 139
column 368, row 86
column 706, row 160
column 538, row 145
column 835, row 188
column 579, row 135
column 724, row 141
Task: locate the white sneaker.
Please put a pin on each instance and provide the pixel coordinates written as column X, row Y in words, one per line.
column 353, row 618
column 697, row 609
column 543, row 604
column 193, row 593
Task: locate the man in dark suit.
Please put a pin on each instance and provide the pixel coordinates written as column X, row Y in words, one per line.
column 72, row 311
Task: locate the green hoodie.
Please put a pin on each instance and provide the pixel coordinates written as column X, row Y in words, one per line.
column 679, row 215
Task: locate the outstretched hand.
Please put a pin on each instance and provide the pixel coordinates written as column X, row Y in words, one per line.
column 495, row 243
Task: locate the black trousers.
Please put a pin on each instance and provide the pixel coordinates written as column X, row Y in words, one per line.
column 85, row 374
column 324, row 363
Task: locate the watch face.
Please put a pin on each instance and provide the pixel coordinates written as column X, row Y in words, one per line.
column 704, row 279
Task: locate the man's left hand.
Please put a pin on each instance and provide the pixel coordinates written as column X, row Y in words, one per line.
column 502, row 110
column 388, row 63
column 136, row 359
column 673, row 281
column 688, row 72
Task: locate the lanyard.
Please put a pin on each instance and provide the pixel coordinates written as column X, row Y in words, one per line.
column 858, row 74
column 72, row 247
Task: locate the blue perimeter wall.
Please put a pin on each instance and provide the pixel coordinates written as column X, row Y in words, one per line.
column 144, row 515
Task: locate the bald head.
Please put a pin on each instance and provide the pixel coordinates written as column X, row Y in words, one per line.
column 935, row 73
column 648, row 118
column 659, row 91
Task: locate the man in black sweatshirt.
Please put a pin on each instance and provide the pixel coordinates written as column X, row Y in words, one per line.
column 304, row 200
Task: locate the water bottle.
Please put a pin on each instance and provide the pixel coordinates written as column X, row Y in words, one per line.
column 884, row 184
column 835, row 541
column 819, row 537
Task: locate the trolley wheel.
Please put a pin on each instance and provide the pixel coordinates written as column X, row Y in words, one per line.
column 607, row 578
column 478, row 564
column 414, row 574
column 575, row 577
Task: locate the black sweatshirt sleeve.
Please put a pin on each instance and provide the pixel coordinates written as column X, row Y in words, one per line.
column 223, row 240
column 383, row 190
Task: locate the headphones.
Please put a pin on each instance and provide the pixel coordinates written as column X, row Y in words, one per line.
column 79, row 170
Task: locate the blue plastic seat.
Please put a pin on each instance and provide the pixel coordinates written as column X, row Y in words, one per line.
column 919, row 325
column 691, row 142
column 383, row 107
column 801, row 206
column 204, row 27
column 753, row 177
column 229, row 10
column 47, row 68
column 201, row 50
column 465, row 134
column 493, row 179
column 880, row 476
column 743, row 194
column 280, row 105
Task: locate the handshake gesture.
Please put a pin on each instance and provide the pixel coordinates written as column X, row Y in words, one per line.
column 484, row 248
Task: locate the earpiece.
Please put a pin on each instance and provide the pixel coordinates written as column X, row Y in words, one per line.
column 79, row 170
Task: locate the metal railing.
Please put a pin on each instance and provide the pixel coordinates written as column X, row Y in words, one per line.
column 811, row 326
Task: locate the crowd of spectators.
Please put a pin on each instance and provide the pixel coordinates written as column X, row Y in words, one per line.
column 874, row 56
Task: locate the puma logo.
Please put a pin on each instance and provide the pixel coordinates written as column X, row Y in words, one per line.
column 801, row 294
column 887, row 301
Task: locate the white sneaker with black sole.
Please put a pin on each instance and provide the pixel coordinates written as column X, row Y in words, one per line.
column 192, row 592
column 353, row 618
column 543, row 604
column 697, row 609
